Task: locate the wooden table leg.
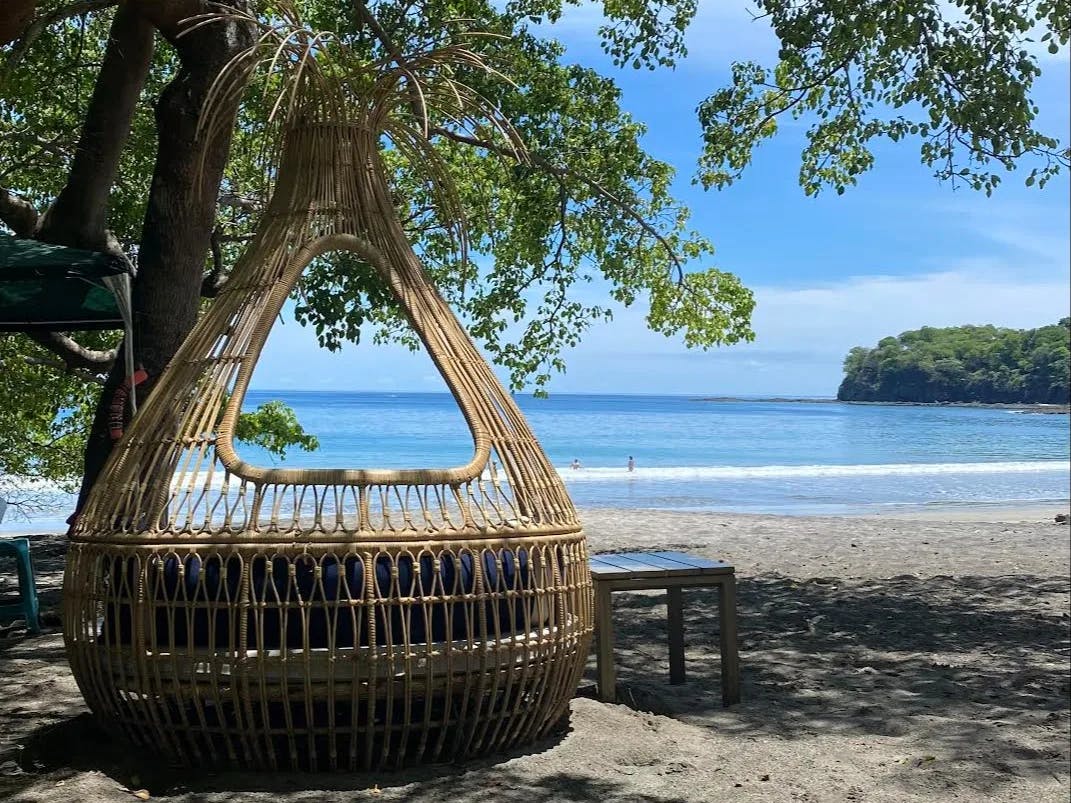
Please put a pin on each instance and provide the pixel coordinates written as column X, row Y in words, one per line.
column 604, row 634
column 675, row 606
column 730, row 659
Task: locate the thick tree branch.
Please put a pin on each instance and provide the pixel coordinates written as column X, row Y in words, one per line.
column 79, row 215
column 368, row 18
column 74, row 355
column 214, row 280
column 210, row 285
column 244, row 203
column 17, row 214
column 561, row 172
column 39, row 25
column 169, row 16
column 85, row 376
column 14, row 17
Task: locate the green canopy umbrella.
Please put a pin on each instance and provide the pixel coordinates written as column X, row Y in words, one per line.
column 46, row 287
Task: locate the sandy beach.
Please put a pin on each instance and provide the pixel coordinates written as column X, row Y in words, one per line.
column 920, row 657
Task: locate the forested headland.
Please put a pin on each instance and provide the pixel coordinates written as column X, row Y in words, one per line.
column 982, row 364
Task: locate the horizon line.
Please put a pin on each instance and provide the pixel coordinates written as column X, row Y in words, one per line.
column 693, row 395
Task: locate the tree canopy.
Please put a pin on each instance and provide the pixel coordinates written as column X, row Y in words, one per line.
column 99, row 148
column 955, row 77
column 963, row 364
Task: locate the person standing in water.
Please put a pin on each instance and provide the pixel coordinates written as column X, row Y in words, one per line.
column 631, row 463
column 576, row 464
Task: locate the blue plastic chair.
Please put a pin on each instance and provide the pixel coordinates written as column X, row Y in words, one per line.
column 26, row 606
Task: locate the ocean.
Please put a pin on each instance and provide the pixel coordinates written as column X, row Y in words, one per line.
column 743, row 456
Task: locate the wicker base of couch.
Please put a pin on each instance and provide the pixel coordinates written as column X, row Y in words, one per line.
column 190, row 669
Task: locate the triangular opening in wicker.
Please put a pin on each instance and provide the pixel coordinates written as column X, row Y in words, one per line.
column 362, row 428
column 325, row 618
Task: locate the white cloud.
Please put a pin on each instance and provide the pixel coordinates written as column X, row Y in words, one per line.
column 1030, row 235
column 863, row 309
column 804, row 332
column 802, row 335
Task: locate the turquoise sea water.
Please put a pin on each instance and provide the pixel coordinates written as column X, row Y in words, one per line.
column 749, row 456
column 745, row 456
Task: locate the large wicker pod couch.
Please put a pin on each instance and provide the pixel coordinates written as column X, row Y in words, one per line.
column 224, row 613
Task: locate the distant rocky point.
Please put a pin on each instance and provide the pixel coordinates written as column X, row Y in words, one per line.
column 983, row 365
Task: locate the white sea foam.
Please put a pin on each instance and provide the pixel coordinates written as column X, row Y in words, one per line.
column 693, row 473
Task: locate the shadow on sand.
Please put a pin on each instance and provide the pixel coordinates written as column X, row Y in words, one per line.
column 962, row 664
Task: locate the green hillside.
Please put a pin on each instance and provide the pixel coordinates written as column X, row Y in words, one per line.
column 983, row 364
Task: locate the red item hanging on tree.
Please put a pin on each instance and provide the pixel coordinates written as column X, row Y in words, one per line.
column 115, row 411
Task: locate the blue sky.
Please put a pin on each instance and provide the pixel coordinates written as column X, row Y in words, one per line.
column 896, row 252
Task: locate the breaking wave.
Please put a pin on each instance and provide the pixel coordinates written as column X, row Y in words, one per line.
column 693, row 473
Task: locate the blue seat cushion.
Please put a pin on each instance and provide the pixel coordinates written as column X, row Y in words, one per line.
column 196, row 601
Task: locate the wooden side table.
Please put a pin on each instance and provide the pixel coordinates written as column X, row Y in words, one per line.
column 673, row 571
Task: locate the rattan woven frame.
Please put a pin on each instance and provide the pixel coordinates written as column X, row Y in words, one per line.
column 324, row 618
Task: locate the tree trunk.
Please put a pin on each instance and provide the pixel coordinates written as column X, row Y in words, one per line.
column 180, row 214
column 14, row 17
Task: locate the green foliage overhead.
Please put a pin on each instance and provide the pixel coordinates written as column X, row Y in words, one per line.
column 586, row 205
column 956, row 77
column 963, row 364
column 43, row 101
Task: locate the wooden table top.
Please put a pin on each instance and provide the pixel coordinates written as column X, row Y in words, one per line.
column 618, row 565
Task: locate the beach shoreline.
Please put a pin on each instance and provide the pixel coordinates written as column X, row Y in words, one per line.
column 1045, row 513
column 961, row 512
column 1051, row 409
column 885, row 659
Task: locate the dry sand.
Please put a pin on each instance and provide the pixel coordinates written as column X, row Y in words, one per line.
column 883, row 659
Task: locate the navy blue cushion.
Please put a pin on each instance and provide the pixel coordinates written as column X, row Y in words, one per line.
column 277, row 617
